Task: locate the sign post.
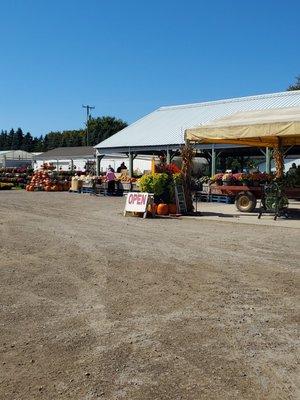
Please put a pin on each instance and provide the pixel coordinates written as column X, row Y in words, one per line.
column 138, row 203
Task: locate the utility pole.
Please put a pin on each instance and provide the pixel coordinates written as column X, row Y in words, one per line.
column 88, row 108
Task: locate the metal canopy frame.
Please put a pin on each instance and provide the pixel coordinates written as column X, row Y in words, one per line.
column 213, row 150
column 146, row 150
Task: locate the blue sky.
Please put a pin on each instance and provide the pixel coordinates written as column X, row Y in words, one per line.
column 129, row 57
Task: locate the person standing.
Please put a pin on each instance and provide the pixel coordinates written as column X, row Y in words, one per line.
column 293, row 169
column 111, row 179
column 121, row 167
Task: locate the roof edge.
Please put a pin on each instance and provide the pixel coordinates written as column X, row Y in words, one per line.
column 231, row 100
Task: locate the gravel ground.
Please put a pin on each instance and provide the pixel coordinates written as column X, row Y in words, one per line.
column 95, row 305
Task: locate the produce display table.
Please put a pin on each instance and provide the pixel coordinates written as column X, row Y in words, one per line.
column 125, row 186
column 101, row 188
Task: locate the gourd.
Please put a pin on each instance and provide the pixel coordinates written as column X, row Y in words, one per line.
column 152, row 208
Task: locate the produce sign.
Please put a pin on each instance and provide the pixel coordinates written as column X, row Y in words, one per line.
column 138, row 202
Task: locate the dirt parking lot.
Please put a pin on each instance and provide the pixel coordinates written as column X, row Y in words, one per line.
column 95, row 305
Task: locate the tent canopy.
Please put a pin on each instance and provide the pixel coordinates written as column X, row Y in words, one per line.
column 266, row 128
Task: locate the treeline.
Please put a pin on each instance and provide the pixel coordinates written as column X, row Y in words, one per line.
column 99, row 129
column 296, row 85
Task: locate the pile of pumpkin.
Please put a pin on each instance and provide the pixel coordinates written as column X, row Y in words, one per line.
column 163, row 209
column 48, row 166
column 42, row 180
column 125, row 178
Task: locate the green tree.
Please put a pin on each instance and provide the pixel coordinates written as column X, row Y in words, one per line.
column 3, row 140
column 38, row 144
column 102, row 128
column 18, row 139
column 11, row 139
column 27, row 144
column 296, row 85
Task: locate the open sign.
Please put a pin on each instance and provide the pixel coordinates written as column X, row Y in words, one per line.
column 138, row 202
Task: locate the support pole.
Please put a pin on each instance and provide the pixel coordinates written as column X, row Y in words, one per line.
column 242, row 163
column 88, row 108
column 152, row 165
column 168, row 156
column 268, row 160
column 213, row 160
column 98, row 162
column 173, row 154
column 72, row 165
column 130, row 157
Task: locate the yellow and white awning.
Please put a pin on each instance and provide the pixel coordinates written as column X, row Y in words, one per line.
column 266, row 128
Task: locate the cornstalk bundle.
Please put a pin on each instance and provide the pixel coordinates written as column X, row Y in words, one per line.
column 187, row 154
column 279, row 163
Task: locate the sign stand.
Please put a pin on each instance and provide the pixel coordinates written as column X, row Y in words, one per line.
column 138, row 203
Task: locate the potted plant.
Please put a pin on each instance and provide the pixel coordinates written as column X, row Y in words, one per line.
column 156, row 183
column 242, row 178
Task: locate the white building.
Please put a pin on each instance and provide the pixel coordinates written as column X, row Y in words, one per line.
column 77, row 158
column 15, row 158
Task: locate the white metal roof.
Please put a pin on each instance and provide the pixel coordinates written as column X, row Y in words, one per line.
column 166, row 125
column 17, row 153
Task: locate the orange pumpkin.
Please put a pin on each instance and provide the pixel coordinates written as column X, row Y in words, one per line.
column 162, row 209
column 172, row 209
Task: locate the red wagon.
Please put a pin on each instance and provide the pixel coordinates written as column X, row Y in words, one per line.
column 245, row 197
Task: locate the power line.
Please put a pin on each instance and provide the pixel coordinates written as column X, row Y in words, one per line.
column 88, row 108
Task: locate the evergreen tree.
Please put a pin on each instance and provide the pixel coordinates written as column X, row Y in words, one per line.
column 38, row 144
column 19, row 137
column 27, row 143
column 2, row 140
column 10, row 139
column 296, row 85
